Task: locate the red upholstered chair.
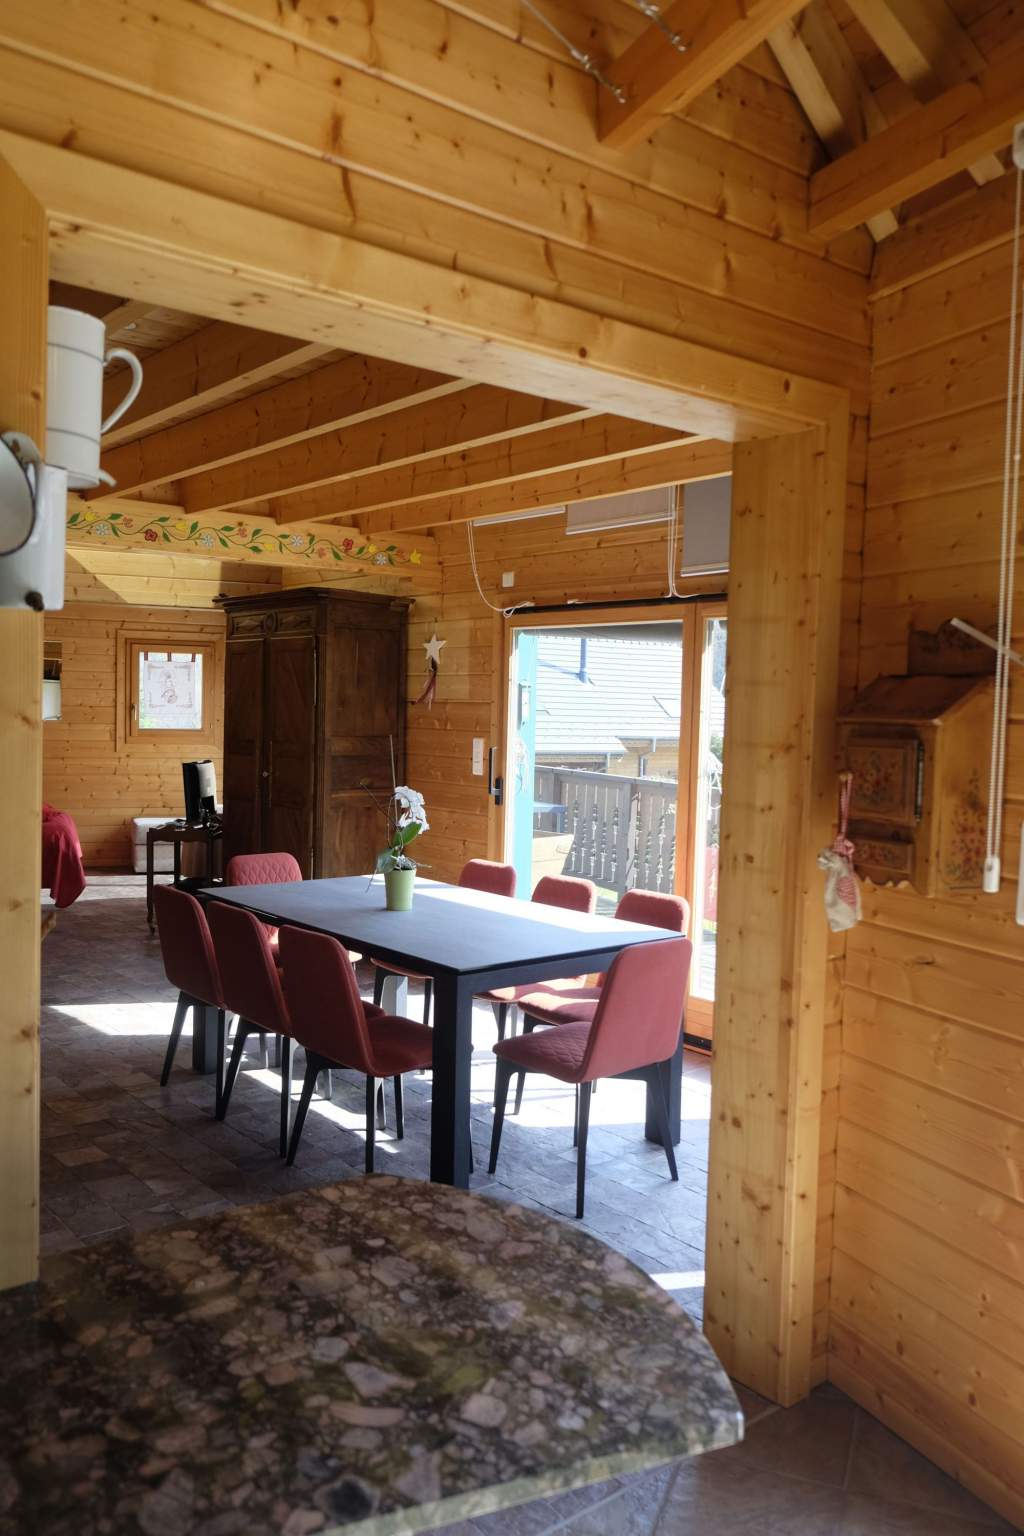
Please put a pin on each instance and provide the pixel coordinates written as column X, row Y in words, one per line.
column 570, row 893
column 555, row 1002
column 190, row 965
column 476, row 875
column 263, row 869
column 251, row 987
column 634, row 1033
column 560, row 1002
column 329, row 1018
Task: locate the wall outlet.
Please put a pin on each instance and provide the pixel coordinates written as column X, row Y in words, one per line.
column 478, row 755
column 508, row 578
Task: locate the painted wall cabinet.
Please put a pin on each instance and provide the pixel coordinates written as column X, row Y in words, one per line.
column 917, row 748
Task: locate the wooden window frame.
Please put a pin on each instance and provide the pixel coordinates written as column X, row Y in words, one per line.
column 129, row 735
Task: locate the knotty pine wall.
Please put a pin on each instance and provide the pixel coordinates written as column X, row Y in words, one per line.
column 109, row 593
column 927, row 1305
column 552, row 569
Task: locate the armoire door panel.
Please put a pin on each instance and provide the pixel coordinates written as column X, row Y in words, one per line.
column 289, row 740
column 361, row 696
column 354, row 763
column 243, row 729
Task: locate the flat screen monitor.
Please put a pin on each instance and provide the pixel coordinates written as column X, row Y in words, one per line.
column 200, row 789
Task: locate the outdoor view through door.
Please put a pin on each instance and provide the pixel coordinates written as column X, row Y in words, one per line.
column 614, row 767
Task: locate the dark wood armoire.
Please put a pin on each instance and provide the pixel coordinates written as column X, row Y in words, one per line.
column 314, row 697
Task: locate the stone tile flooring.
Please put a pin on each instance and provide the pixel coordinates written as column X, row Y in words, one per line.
column 119, row 1151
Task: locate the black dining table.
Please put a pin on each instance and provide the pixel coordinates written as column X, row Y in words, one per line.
column 468, row 942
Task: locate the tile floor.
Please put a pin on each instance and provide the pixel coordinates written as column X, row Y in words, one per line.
column 119, row 1151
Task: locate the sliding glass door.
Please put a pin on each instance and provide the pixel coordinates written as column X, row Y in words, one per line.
column 613, row 761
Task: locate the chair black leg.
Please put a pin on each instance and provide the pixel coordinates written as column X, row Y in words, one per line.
column 656, row 1081
column 501, row 1014
column 286, row 1093
column 428, row 998
column 371, row 1119
column 502, row 1078
column 576, row 1118
column 399, row 1108
column 529, row 1024
column 379, row 978
column 308, row 1084
column 519, row 1092
column 222, row 1040
column 183, row 1006
column 275, row 1055
column 581, row 1149
column 237, row 1052
column 382, row 1108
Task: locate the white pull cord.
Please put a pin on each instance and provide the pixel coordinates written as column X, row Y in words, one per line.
column 1007, row 559
column 505, row 612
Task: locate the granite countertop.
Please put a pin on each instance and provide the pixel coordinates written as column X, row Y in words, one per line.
column 379, row 1356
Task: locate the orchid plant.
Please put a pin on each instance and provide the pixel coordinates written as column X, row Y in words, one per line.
column 406, row 818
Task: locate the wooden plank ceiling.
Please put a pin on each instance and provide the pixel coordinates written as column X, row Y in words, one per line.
column 240, row 423
column 913, row 101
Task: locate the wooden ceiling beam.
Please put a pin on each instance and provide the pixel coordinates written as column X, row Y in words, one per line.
column 607, row 477
column 929, row 50
column 944, row 237
column 946, row 136
column 656, row 77
column 341, row 394
column 819, row 64
column 200, row 370
column 478, row 415
column 517, row 458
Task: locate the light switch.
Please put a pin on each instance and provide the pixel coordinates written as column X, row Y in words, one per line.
column 508, row 578
column 478, row 754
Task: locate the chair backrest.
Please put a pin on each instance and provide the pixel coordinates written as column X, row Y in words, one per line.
column 486, row 875
column 190, row 963
column 324, row 1005
column 262, row 869
column 566, row 891
column 655, row 909
column 640, row 1013
column 249, row 979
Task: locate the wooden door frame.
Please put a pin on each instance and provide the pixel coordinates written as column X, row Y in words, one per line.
column 134, row 234
column 688, row 612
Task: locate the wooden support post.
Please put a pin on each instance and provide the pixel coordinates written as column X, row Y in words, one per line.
column 785, row 556
column 23, row 292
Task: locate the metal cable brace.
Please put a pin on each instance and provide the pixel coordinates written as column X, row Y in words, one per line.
column 652, row 11
column 583, row 59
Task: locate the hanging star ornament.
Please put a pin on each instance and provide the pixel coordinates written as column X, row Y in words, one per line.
column 433, row 648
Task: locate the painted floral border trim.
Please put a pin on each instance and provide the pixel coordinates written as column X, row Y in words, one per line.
column 165, row 528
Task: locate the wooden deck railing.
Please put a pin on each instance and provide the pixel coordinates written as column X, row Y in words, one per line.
column 624, row 830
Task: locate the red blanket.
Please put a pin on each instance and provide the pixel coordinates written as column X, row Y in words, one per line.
column 62, row 857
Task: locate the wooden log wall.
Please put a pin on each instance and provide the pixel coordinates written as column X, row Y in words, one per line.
column 85, row 770
column 927, row 1314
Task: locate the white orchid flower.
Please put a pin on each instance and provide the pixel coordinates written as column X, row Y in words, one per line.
column 412, row 808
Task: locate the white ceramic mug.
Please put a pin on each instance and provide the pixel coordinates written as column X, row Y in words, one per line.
column 76, row 357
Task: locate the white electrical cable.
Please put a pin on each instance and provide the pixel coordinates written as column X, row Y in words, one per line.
column 505, row 612
column 673, row 542
column 1007, row 556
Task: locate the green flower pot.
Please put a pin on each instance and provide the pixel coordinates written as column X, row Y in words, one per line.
column 398, row 887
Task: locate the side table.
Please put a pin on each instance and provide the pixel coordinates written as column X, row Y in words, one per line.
column 178, row 832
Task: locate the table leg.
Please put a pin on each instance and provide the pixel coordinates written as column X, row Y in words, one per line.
column 395, row 996
column 149, row 881
column 204, row 1039
column 453, row 1056
column 672, row 1082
